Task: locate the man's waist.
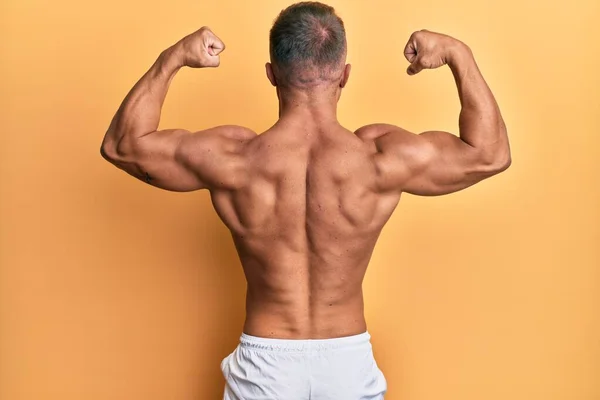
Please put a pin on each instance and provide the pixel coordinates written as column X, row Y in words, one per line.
column 291, row 323
column 305, row 345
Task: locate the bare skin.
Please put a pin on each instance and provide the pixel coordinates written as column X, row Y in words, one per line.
column 306, row 200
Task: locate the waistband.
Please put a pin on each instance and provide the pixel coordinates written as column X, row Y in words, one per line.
column 302, row 345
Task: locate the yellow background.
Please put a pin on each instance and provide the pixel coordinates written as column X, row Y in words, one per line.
column 110, row 289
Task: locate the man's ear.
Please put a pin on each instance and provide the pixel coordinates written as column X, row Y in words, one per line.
column 270, row 74
column 346, row 75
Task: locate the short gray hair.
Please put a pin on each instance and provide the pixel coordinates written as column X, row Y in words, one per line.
column 307, row 35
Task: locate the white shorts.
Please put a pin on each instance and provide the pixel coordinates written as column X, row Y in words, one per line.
column 276, row 369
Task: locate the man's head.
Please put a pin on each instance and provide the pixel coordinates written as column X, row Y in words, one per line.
column 308, row 47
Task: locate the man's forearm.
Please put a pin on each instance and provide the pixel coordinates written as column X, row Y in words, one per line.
column 139, row 113
column 480, row 121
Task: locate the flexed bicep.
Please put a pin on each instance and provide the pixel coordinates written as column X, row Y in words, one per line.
column 179, row 160
column 428, row 164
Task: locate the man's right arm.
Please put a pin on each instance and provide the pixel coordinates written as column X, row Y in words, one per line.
column 434, row 162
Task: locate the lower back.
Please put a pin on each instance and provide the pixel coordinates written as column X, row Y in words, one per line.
column 304, row 321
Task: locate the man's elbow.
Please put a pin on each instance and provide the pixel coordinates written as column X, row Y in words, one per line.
column 495, row 162
column 109, row 152
column 504, row 162
column 113, row 151
column 495, row 157
column 106, row 152
column 503, row 156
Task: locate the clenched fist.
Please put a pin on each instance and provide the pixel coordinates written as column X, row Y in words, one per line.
column 429, row 50
column 201, row 49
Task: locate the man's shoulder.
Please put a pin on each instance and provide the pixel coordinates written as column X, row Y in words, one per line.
column 234, row 132
column 387, row 138
column 374, row 131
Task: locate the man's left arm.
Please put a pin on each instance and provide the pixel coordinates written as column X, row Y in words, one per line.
column 174, row 159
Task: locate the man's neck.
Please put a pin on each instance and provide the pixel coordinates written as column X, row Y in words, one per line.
column 317, row 106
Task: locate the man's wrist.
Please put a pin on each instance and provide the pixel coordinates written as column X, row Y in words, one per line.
column 172, row 58
column 458, row 53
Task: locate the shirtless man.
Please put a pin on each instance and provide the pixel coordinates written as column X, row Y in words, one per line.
column 306, row 200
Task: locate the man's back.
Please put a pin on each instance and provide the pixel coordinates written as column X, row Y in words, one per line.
column 305, row 219
column 306, row 200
